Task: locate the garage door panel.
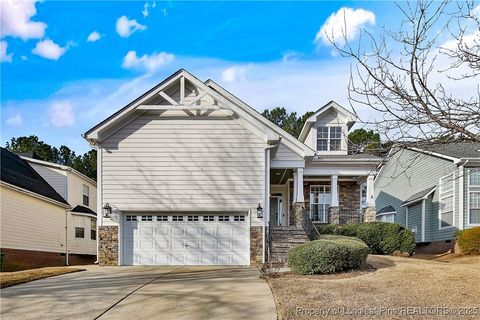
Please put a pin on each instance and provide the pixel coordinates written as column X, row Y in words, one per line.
column 191, row 240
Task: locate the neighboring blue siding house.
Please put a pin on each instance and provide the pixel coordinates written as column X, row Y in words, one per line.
column 432, row 190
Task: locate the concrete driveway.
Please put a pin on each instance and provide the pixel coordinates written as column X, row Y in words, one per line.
column 143, row 293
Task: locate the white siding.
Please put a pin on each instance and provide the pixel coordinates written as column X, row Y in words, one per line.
column 75, row 191
column 77, row 245
column 55, row 177
column 284, row 153
column 30, row 223
column 162, row 164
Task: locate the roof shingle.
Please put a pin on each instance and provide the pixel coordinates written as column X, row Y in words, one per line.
column 18, row 172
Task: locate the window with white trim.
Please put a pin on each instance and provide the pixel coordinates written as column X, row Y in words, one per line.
column 387, row 217
column 223, row 218
column 192, row 218
column 329, row 138
column 208, row 218
column 147, row 218
column 320, row 199
column 177, row 218
column 162, row 218
column 131, row 218
column 79, row 232
column 446, row 201
column 93, row 229
column 86, row 195
column 474, row 196
column 238, row 218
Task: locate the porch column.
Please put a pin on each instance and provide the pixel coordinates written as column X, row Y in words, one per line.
column 334, row 210
column 294, row 186
column 300, row 197
column 370, row 212
column 370, row 192
column 334, row 190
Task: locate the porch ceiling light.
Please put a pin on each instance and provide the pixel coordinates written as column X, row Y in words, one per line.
column 259, row 211
column 107, row 210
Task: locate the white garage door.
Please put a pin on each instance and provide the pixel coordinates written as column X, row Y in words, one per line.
column 170, row 239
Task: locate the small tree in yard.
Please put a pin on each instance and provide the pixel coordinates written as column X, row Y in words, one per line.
column 405, row 74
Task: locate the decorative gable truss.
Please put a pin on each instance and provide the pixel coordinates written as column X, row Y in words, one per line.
column 183, row 95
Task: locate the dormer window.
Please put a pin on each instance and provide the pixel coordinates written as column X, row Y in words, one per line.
column 329, row 138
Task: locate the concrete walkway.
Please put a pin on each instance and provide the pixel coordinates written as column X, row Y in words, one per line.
column 143, row 293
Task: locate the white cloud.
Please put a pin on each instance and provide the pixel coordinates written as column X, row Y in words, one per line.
column 345, row 23
column 15, row 20
column 15, row 120
column 94, row 36
column 150, row 63
column 126, row 27
column 145, row 9
column 49, row 49
column 61, row 114
column 234, row 74
column 4, row 57
column 24, row 58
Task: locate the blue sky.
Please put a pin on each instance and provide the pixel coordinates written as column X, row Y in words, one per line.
column 56, row 84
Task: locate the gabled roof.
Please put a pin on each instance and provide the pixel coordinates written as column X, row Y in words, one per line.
column 17, row 172
column 252, row 118
column 419, row 196
column 58, row 166
column 385, row 210
column 83, row 209
column 351, row 118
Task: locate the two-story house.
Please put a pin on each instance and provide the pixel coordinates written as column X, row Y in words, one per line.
column 433, row 189
column 81, row 193
column 190, row 174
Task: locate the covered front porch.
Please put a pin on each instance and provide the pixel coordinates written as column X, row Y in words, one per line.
column 338, row 198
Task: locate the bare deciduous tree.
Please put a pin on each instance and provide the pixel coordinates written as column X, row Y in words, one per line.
column 405, row 74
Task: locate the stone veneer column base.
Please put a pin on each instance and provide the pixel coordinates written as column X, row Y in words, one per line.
column 334, row 215
column 370, row 214
column 108, row 246
column 256, row 246
column 298, row 212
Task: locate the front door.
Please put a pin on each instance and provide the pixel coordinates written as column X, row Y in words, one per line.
column 275, row 211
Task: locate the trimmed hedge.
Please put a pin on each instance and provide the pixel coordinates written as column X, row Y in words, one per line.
column 329, row 254
column 469, row 241
column 381, row 237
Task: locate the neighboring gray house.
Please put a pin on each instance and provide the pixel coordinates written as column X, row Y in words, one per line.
column 433, row 191
column 190, row 174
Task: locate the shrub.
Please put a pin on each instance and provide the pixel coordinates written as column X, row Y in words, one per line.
column 331, row 253
column 326, row 228
column 469, row 241
column 381, row 237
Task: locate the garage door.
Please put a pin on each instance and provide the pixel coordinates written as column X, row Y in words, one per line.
column 170, row 239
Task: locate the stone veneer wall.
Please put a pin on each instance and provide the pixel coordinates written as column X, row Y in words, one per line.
column 256, row 246
column 348, row 194
column 108, row 246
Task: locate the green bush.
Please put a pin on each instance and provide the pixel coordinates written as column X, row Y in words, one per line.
column 329, row 254
column 326, row 228
column 469, row 241
column 381, row 237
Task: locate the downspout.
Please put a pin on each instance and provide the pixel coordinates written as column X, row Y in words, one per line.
column 66, row 237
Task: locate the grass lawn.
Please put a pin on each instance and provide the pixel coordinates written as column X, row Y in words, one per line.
column 8, row 279
column 384, row 290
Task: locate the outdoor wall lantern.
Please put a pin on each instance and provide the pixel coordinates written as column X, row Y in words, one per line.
column 107, row 210
column 259, row 211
